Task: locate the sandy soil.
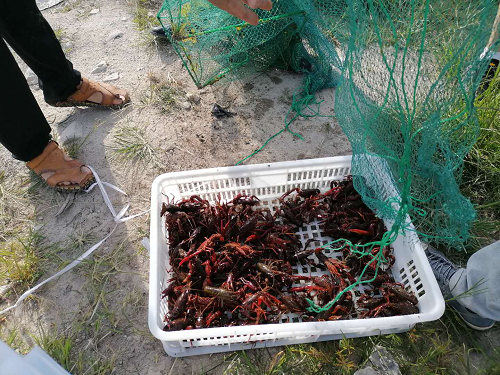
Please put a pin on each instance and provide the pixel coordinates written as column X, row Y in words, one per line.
column 111, row 290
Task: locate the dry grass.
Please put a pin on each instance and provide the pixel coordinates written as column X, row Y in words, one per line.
column 131, row 145
column 19, row 261
column 15, row 212
column 144, row 14
column 482, row 166
column 61, row 347
column 164, row 93
column 69, row 5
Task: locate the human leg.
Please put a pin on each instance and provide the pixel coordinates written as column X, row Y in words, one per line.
column 24, row 131
column 451, row 277
column 23, row 26
column 476, row 286
column 25, row 29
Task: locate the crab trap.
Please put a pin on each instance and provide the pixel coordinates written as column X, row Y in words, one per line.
column 269, row 182
column 213, row 44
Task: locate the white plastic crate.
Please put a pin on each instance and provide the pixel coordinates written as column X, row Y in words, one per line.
column 269, row 182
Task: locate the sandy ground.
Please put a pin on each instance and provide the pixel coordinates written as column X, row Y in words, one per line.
column 105, row 300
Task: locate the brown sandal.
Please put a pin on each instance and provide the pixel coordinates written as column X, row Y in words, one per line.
column 52, row 160
column 88, row 88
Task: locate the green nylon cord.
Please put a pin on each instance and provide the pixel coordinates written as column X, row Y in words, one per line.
column 387, row 239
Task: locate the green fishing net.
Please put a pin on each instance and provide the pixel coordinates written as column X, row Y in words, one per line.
column 405, row 73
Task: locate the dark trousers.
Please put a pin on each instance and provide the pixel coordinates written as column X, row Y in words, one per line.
column 24, row 131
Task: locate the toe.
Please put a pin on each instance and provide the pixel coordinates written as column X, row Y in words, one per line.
column 47, row 175
column 119, row 99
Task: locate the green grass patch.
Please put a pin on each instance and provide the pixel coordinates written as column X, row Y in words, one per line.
column 19, row 260
column 57, row 346
column 164, row 93
column 130, row 144
column 62, row 348
column 15, row 214
column 143, row 17
column 60, row 33
column 70, row 5
column 481, row 181
column 442, row 347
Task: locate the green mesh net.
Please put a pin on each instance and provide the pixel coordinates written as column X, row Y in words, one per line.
column 405, row 72
column 214, row 45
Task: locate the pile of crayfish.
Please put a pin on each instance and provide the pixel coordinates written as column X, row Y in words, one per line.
column 233, row 263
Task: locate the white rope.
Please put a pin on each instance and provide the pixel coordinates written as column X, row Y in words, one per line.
column 117, row 217
column 106, row 184
column 63, row 271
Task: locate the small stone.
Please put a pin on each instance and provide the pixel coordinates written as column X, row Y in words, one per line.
column 366, row 371
column 66, row 46
column 140, row 68
column 193, row 98
column 124, row 19
column 4, row 289
column 100, row 68
column 31, row 77
column 114, row 35
column 186, row 105
column 111, row 77
column 384, row 362
column 94, row 11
